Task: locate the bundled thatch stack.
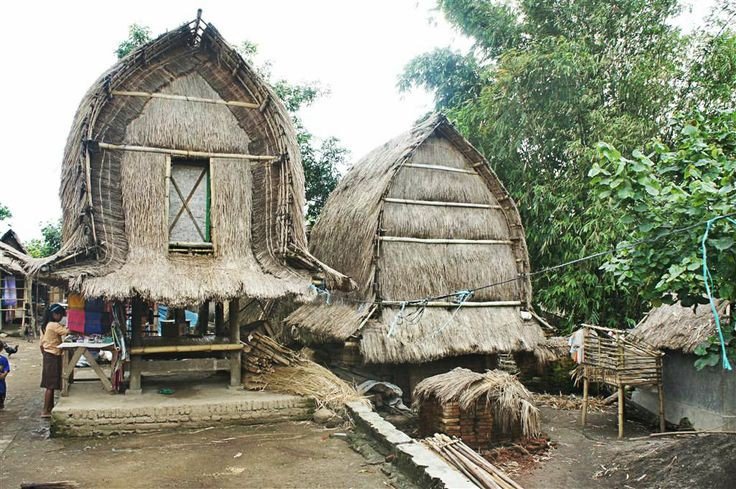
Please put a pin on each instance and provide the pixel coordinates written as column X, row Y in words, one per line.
column 477, row 407
column 270, row 365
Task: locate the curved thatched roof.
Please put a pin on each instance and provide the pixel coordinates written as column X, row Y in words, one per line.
column 674, row 327
column 423, row 215
column 115, row 230
column 511, row 402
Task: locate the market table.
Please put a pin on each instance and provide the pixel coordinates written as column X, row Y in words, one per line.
column 73, row 351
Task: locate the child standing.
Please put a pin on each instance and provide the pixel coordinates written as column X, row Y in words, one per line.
column 4, row 371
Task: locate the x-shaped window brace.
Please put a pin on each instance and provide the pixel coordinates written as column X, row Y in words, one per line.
column 185, row 203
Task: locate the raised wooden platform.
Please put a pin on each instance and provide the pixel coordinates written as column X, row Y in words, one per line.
column 89, row 411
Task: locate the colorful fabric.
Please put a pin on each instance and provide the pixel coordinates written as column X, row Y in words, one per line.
column 75, row 320
column 93, row 322
column 75, row 301
column 10, row 296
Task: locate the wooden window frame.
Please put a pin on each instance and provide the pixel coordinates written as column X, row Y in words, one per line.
column 207, row 246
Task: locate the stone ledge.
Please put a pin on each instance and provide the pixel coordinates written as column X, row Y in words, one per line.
column 425, row 466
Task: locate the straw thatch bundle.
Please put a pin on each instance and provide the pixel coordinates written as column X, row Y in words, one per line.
column 271, row 366
column 674, row 327
column 191, row 91
column 510, row 401
column 378, row 226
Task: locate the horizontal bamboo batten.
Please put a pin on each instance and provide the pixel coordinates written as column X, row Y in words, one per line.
column 455, row 304
column 234, row 103
column 438, row 168
column 143, row 350
column 442, row 204
column 183, row 152
column 445, row 241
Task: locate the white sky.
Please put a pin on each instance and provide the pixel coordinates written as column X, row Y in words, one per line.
column 53, row 51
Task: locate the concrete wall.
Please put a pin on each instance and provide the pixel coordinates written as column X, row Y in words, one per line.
column 706, row 397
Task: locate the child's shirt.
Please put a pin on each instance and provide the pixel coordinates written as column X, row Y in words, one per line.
column 4, row 367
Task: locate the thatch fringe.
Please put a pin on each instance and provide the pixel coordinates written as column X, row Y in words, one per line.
column 438, row 334
column 674, row 327
column 511, row 402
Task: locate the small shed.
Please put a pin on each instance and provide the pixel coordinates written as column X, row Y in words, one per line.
column 479, row 408
column 707, row 397
column 182, row 185
column 422, row 215
column 614, row 357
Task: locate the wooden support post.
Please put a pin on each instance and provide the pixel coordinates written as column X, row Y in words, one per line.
column 235, row 355
column 203, row 318
column 621, row 399
column 660, row 395
column 219, row 320
column 135, row 362
column 584, row 414
column 137, row 312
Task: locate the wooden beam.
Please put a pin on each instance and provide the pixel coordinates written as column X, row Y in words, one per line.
column 146, row 350
column 455, row 304
column 186, row 98
column 442, row 204
column 445, row 241
column 439, row 168
column 235, row 356
column 183, row 152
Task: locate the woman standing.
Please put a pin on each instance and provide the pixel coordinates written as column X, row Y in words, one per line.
column 53, row 334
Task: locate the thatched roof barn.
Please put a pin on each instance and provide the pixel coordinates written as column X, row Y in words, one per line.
column 182, row 181
column 703, row 398
column 422, row 215
column 678, row 328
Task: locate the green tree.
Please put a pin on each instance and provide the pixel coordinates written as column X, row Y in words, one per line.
column 674, row 186
column 545, row 81
column 49, row 244
column 138, row 35
column 321, row 160
column 4, row 212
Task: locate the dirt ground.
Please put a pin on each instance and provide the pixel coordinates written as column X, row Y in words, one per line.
column 595, row 458
column 283, row 455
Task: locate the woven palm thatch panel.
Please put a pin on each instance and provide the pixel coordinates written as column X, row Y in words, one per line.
column 436, row 150
column 344, row 235
column 185, row 125
column 674, row 327
column 427, row 184
column 437, row 334
column 426, row 221
column 415, row 270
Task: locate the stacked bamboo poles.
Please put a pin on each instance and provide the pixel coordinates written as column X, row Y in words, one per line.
column 476, row 468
